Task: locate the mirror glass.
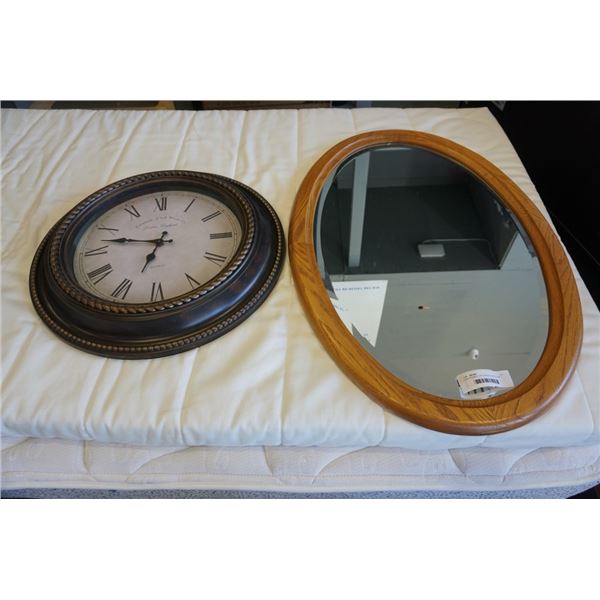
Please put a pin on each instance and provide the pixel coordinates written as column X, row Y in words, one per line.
column 431, row 273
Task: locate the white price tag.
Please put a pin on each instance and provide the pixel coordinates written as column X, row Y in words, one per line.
column 483, row 383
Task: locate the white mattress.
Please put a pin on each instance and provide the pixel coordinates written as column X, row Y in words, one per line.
column 278, row 387
column 548, row 472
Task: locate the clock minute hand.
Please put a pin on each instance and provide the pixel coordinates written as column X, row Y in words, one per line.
column 159, row 241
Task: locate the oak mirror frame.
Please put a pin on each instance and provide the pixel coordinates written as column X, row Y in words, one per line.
column 503, row 412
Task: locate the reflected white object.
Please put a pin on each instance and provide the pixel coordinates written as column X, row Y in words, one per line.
column 474, row 354
column 343, row 313
column 360, row 304
column 431, row 250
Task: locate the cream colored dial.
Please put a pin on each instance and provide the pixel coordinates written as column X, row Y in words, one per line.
column 156, row 247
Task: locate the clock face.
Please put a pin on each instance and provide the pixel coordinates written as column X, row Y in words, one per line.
column 156, row 246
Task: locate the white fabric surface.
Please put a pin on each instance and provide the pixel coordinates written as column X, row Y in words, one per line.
column 277, row 385
column 38, row 463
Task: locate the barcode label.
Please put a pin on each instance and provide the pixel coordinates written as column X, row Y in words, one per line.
column 488, row 380
column 483, row 383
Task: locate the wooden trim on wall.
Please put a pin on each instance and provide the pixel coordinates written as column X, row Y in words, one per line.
column 507, row 411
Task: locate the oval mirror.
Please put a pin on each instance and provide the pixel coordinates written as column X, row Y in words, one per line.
column 434, row 282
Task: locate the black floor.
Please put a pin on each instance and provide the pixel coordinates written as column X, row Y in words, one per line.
column 591, row 494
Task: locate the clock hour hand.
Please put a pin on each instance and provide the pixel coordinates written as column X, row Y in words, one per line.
column 150, row 257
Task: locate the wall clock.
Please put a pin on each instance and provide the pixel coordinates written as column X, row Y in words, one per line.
column 434, row 283
column 157, row 264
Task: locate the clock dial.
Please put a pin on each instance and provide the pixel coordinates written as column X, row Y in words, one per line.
column 156, row 246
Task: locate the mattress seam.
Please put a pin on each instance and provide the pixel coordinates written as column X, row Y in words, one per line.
column 301, row 476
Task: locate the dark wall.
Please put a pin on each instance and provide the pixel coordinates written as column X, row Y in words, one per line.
column 559, row 144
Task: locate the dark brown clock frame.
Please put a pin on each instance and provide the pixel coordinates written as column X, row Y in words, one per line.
column 467, row 417
column 156, row 329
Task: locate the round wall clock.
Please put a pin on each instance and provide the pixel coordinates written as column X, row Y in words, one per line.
column 157, row 264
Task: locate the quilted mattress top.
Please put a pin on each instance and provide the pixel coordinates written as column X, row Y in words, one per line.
column 268, row 382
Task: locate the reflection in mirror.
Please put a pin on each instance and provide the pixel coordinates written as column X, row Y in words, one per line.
column 431, row 273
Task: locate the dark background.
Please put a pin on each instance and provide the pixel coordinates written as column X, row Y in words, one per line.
column 558, row 142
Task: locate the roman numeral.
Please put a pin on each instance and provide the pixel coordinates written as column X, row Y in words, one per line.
column 192, row 281
column 211, row 216
column 192, row 202
column 122, row 289
column 107, row 228
column 132, row 210
column 217, row 259
column 161, row 203
column 220, row 236
column 96, row 251
column 157, row 292
column 97, row 275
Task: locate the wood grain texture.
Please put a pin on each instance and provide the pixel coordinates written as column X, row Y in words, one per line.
column 467, row 417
